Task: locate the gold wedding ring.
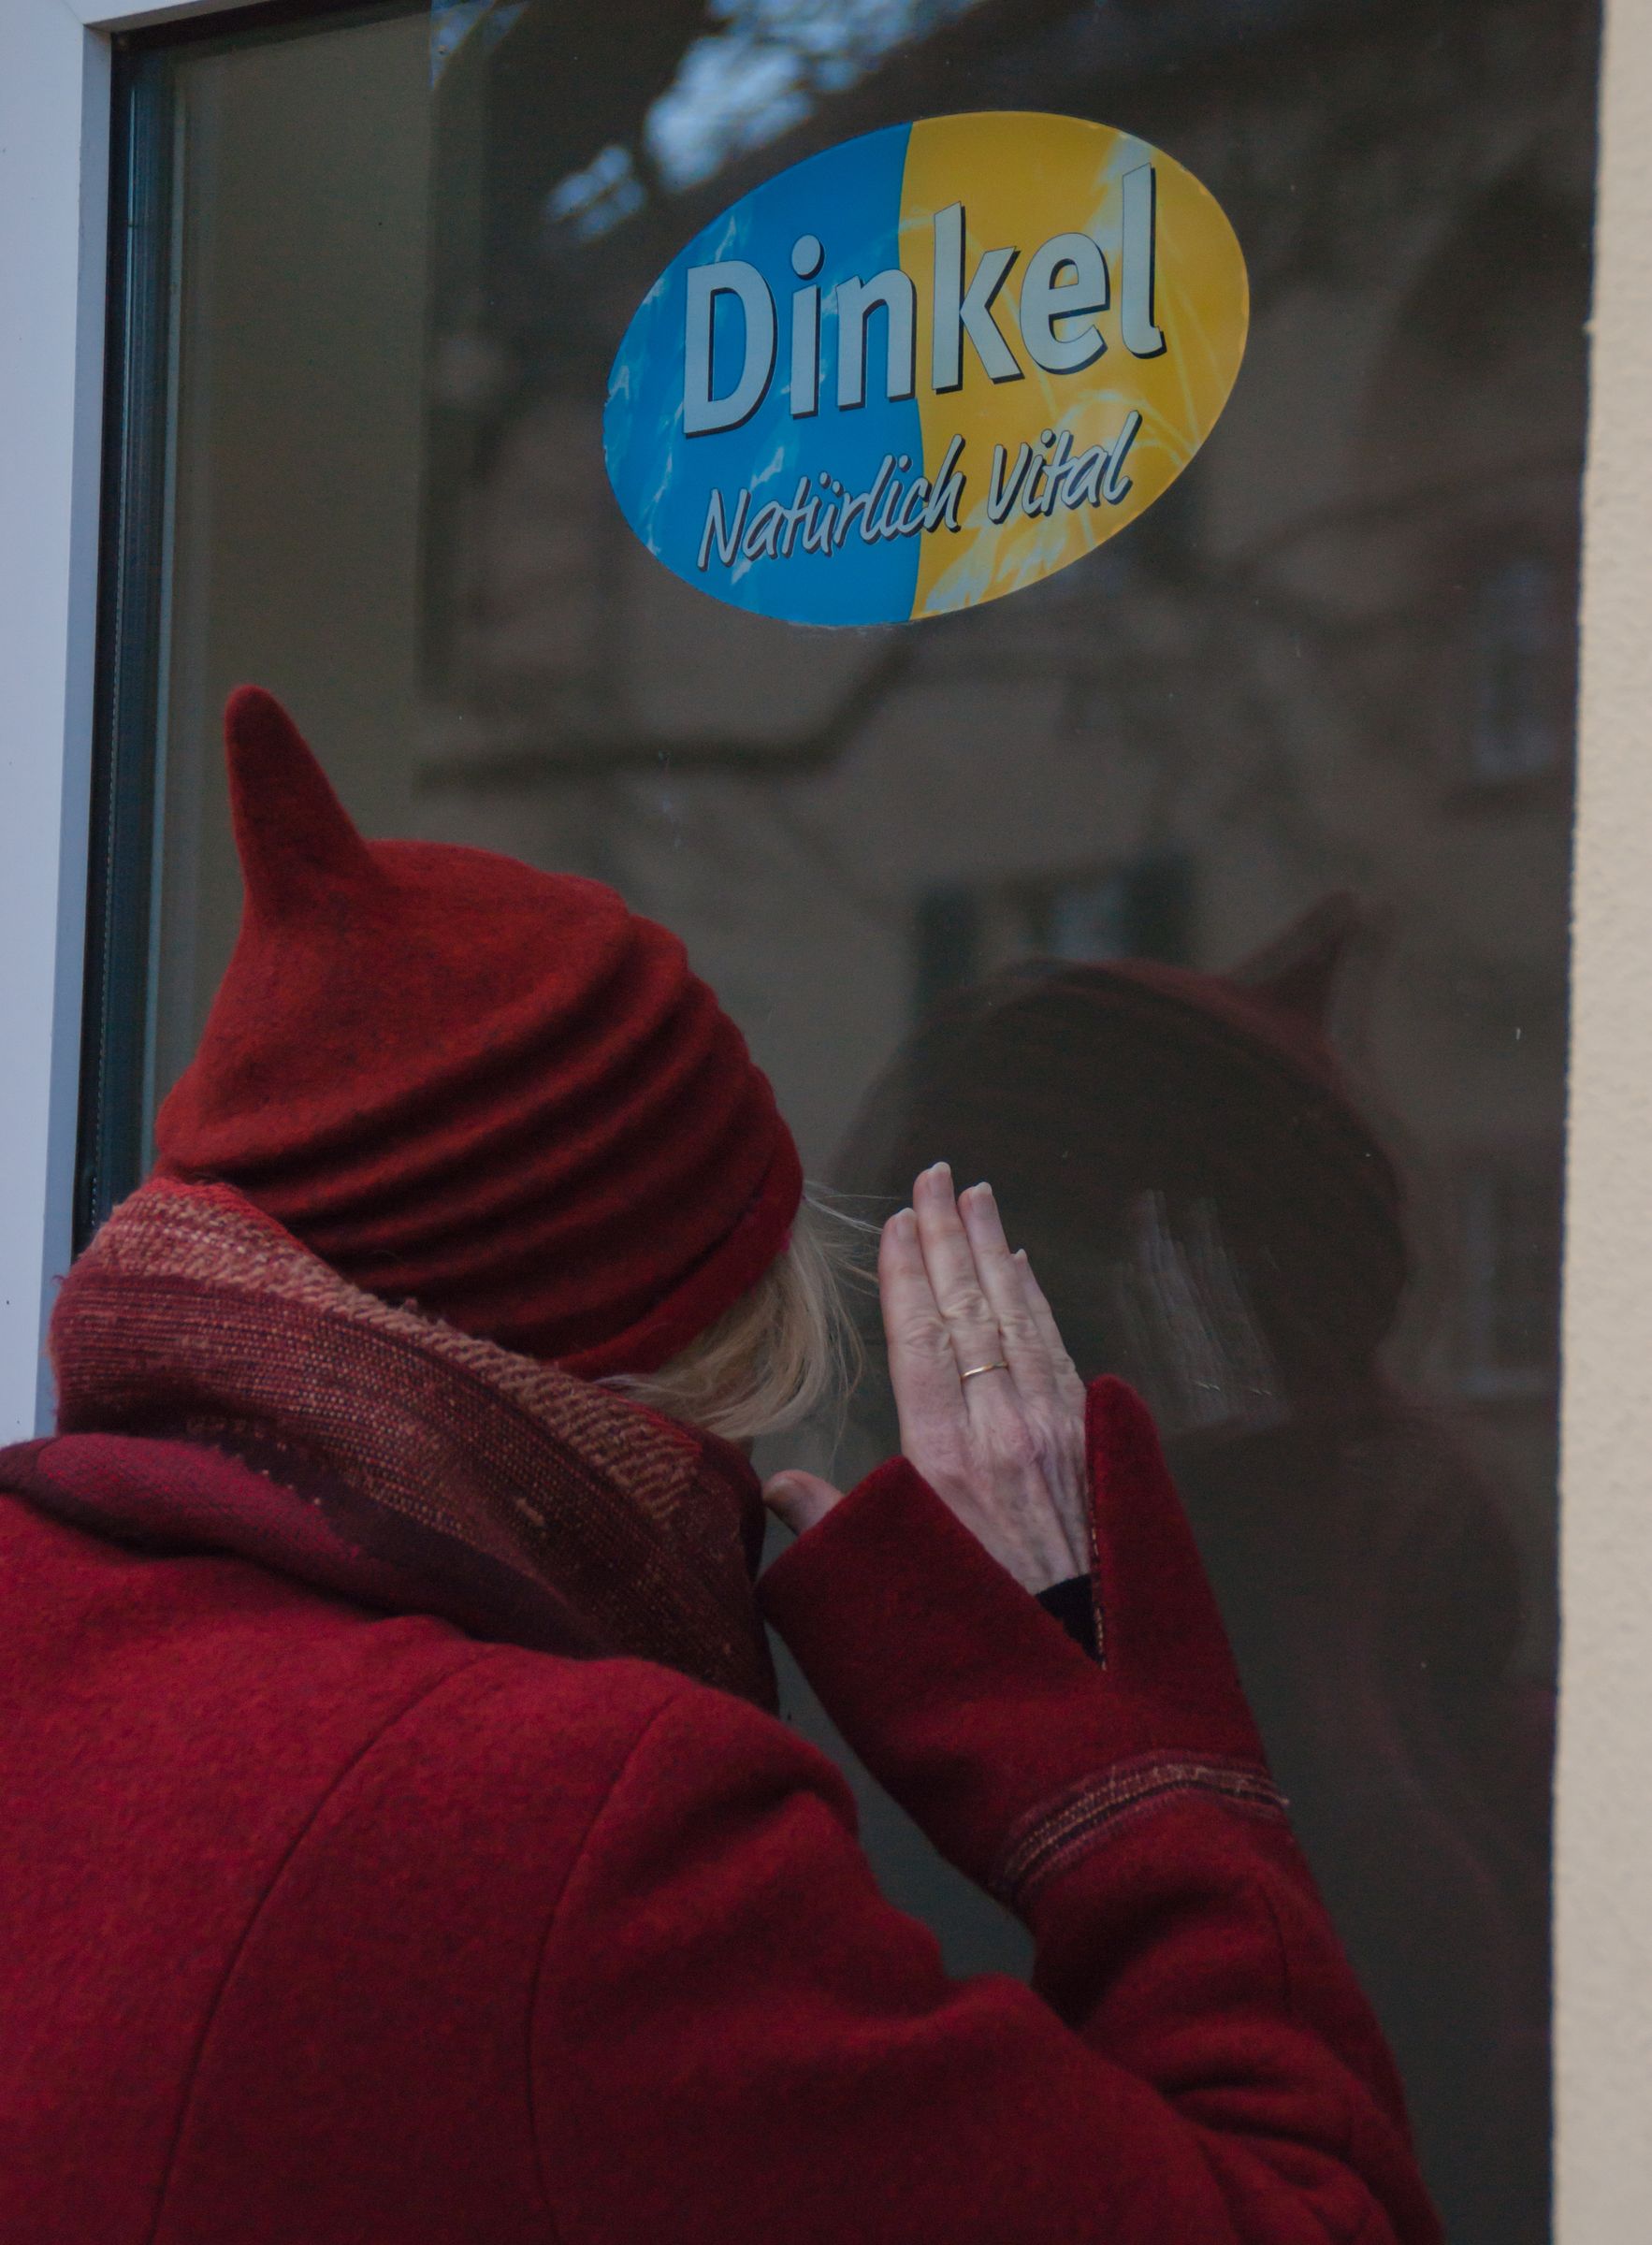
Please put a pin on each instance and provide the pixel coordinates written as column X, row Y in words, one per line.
column 975, row 1372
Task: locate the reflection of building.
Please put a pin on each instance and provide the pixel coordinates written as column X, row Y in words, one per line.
column 1337, row 656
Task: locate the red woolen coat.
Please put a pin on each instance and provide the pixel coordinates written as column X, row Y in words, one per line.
column 330, row 1927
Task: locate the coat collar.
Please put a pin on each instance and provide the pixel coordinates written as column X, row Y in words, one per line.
column 381, row 1453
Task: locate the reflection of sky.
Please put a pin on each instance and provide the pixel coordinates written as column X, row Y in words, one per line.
column 771, row 61
column 598, row 197
column 451, row 21
column 764, row 71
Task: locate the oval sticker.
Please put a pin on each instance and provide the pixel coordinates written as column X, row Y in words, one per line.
column 925, row 368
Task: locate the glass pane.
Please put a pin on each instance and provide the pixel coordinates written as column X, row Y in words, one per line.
column 1300, row 737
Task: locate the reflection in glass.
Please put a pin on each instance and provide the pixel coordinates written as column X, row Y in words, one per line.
column 980, row 888
column 1191, row 1170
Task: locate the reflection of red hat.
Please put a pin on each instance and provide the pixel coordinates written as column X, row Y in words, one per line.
column 1083, row 1089
column 1275, row 1003
column 495, row 1090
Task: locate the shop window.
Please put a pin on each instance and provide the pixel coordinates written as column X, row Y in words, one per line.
column 375, row 267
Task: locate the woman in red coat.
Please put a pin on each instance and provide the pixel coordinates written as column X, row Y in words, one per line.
column 400, row 1846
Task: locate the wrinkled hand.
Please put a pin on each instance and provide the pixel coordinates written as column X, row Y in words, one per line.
column 1005, row 1448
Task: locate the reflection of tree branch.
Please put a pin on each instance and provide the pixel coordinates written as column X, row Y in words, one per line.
column 1436, row 497
column 874, row 904
column 810, row 750
column 725, row 842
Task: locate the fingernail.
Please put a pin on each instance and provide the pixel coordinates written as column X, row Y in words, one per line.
column 984, row 1188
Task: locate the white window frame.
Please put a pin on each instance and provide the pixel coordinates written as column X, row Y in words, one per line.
column 54, row 138
column 55, row 196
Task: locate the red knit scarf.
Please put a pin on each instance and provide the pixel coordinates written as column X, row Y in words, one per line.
column 393, row 1456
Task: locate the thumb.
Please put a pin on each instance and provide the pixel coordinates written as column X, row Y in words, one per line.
column 799, row 1499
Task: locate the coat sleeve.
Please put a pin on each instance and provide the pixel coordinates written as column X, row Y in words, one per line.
column 736, row 2037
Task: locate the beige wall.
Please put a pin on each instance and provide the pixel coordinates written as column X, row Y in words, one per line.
column 1605, row 1910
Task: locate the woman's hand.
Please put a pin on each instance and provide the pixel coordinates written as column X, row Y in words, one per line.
column 1003, row 1446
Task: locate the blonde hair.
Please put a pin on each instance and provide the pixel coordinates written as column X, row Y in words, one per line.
column 787, row 1346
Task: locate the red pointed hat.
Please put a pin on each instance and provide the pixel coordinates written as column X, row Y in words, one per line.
column 495, row 1092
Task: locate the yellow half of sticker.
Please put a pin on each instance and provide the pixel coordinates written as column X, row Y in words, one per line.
column 1055, row 462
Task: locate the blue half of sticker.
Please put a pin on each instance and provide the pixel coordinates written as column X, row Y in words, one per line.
column 925, row 368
